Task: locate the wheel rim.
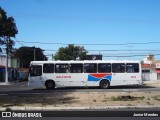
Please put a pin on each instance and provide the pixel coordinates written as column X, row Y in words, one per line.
column 104, row 84
column 50, row 85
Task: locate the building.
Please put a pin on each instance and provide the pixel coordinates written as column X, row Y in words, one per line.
column 93, row 57
column 23, row 74
column 150, row 69
column 13, row 65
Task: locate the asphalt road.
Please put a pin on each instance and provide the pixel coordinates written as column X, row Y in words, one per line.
column 23, row 88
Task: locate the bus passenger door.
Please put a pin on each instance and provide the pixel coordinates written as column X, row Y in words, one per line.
column 36, row 76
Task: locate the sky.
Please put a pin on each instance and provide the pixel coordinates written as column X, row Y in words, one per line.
column 117, row 29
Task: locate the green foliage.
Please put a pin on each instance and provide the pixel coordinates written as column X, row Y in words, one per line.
column 113, row 98
column 8, row 29
column 7, row 25
column 126, row 98
column 156, row 97
column 70, row 52
column 26, row 55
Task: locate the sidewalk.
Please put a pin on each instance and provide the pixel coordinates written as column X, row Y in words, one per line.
column 152, row 83
column 4, row 83
column 13, row 82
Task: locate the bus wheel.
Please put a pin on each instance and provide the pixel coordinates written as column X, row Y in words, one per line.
column 50, row 85
column 104, row 84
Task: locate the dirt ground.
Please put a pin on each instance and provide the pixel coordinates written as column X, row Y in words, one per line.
column 82, row 99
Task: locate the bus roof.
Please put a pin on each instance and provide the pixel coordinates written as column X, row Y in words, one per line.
column 87, row 61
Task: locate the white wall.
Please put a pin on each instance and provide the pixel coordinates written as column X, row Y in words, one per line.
column 3, row 61
column 153, row 76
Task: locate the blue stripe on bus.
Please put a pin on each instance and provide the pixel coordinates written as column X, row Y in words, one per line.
column 92, row 78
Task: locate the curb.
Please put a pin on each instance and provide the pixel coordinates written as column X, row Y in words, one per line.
column 15, row 108
column 152, row 84
column 3, row 83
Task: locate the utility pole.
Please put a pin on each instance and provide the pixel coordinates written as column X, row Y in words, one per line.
column 34, row 53
column 6, row 76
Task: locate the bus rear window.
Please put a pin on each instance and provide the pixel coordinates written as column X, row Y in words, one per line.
column 35, row 70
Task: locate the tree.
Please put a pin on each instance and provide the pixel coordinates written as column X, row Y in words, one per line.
column 28, row 54
column 70, row 52
column 8, row 29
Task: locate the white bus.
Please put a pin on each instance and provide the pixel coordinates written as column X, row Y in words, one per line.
column 54, row 74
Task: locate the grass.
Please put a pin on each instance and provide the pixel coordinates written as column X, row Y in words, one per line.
column 148, row 103
column 141, row 98
column 10, row 105
column 113, row 98
column 129, row 105
column 126, row 98
column 156, row 98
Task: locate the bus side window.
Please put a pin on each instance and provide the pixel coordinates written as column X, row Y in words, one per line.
column 104, row 67
column 118, row 68
column 76, row 68
column 36, row 70
column 90, row 68
column 132, row 67
column 48, row 68
column 61, row 68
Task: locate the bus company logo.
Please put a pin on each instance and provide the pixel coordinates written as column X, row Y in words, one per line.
column 6, row 114
column 133, row 76
column 63, row 76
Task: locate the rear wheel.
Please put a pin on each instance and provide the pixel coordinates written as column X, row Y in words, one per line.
column 104, row 84
column 50, row 85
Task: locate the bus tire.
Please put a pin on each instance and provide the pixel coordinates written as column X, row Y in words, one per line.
column 104, row 84
column 50, row 84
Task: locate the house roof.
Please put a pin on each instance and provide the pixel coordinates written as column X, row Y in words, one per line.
column 147, row 65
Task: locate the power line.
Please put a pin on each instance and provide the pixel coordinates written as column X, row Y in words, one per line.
column 38, row 42
column 118, row 55
column 112, row 50
column 128, row 55
column 98, row 44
